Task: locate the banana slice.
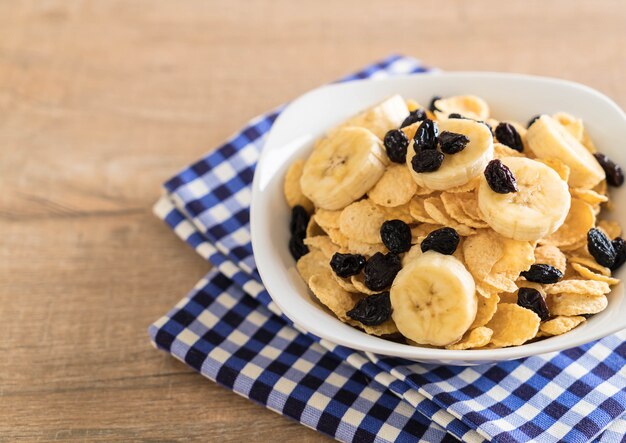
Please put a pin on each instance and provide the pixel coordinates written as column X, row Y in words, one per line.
column 433, row 299
column 548, row 138
column 460, row 168
column 343, row 167
column 537, row 210
column 468, row 106
column 382, row 117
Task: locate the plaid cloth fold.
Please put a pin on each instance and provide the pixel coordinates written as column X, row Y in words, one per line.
column 229, row 329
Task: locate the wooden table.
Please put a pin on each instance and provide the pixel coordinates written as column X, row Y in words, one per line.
column 101, row 101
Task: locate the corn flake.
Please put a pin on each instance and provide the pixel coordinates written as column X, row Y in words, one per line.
column 573, row 232
column 475, row 338
column 467, row 105
column 453, row 204
column 560, row 325
column 486, row 309
column 583, row 287
column 315, row 262
column 410, row 130
column 313, row 229
column 467, row 187
column 323, row 243
column 402, row 212
column 435, row 209
column 513, row 325
column 590, row 263
column 337, row 237
column 395, row 187
column 367, row 249
column 576, row 304
column 386, row 328
column 587, row 273
column 418, row 212
column 481, row 252
column 589, row 196
column 345, row 283
column 359, row 284
column 550, row 255
column 558, row 166
column 411, row 254
column 588, row 143
column 501, row 151
column 292, row 189
column 327, row 219
column 331, row 295
column 572, row 124
column 362, row 221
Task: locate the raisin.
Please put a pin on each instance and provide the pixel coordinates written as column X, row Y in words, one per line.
column 533, row 120
column 601, row 248
column 542, row 273
column 414, row 116
column 433, row 107
column 443, row 240
column 428, row 160
column 380, row 270
column 396, row 143
column 297, row 248
column 451, row 142
column 372, row 310
column 426, row 136
column 500, row 178
column 530, row 298
column 345, row 265
column 396, row 236
column 299, row 220
column 620, row 253
column 457, row 116
column 297, row 227
column 614, row 173
column 508, row 135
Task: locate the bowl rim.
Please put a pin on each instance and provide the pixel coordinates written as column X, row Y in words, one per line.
column 411, row 352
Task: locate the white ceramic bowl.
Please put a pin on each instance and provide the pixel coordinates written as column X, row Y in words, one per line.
column 510, row 96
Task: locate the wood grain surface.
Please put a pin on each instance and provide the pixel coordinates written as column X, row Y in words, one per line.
column 101, row 101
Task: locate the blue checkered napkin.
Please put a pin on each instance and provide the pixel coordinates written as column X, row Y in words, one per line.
column 571, row 396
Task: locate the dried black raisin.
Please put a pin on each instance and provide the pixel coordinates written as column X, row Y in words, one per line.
column 613, row 171
column 297, row 228
column 297, row 248
column 451, row 142
column 414, row 116
column 345, row 265
column 433, row 106
column 396, row 236
column 426, row 136
column 299, row 220
column 380, row 270
column 533, row 120
column 396, row 143
column 443, row 240
column 532, row 299
column 620, row 253
column 601, row 248
column 508, row 135
column 428, row 160
column 500, row 178
column 372, row 310
column 542, row 273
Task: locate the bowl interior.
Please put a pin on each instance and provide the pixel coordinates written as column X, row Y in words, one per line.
column 511, row 97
